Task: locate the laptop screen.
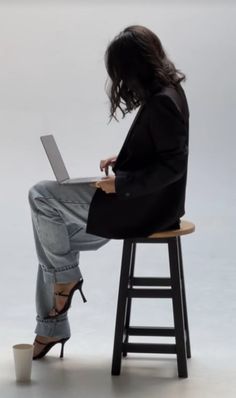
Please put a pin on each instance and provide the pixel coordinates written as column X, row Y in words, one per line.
column 54, row 157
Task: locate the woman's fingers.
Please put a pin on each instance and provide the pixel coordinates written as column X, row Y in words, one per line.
column 105, row 168
column 101, row 165
column 104, row 164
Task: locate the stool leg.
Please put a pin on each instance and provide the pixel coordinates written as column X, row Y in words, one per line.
column 129, row 300
column 184, row 299
column 121, row 307
column 177, row 308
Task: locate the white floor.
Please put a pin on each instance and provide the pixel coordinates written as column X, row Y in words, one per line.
column 85, row 370
column 46, row 85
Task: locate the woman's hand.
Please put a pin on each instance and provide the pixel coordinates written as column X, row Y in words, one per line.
column 104, row 164
column 107, row 184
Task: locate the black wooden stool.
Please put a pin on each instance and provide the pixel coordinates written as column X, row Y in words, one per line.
column 174, row 289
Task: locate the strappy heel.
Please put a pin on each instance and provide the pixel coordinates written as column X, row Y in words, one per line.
column 78, row 286
column 48, row 347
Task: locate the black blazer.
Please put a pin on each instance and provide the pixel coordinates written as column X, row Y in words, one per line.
column 151, row 172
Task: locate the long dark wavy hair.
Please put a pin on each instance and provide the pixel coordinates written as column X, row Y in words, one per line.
column 137, row 64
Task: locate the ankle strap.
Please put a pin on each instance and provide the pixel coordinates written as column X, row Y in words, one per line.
column 61, row 294
column 39, row 342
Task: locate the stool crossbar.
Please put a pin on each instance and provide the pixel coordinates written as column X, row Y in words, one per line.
column 172, row 287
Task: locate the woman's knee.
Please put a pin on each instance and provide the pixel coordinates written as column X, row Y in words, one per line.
column 39, row 190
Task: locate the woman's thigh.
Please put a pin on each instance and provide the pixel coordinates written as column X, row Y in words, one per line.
column 66, row 193
column 71, row 202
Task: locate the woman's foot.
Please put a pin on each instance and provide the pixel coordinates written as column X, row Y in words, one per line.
column 44, row 340
column 61, row 293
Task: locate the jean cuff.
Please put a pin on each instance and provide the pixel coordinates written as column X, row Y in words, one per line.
column 53, row 327
column 64, row 275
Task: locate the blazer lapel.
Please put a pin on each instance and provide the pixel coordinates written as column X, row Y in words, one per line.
column 134, row 122
column 129, row 134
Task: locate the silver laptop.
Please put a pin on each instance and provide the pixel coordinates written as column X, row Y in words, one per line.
column 58, row 164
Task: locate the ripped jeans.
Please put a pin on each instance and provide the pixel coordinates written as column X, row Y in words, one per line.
column 59, row 216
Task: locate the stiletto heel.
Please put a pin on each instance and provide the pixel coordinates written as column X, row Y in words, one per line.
column 78, row 286
column 48, row 346
column 62, row 347
column 81, row 292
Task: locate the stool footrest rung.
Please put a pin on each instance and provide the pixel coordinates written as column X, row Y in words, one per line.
column 149, row 348
column 150, row 281
column 150, row 331
column 149, row 293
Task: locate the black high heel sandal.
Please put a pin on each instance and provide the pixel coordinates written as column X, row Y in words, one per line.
column 78, row 286
column 48, row 347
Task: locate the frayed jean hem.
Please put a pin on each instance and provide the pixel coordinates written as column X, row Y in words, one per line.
column 64, row 275
column 53, row 327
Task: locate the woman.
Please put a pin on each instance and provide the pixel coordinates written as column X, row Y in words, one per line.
column 145, row 194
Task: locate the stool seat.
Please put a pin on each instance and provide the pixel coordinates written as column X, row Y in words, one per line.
column 186, row 227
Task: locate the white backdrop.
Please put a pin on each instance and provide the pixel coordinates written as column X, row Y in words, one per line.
column 52, row 79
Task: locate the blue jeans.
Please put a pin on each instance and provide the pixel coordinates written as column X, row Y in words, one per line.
column 59, row 216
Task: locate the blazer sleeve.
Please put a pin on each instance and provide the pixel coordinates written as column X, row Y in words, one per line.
column 169, row 135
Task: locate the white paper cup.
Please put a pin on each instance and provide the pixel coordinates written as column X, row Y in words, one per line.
column 23, row 354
